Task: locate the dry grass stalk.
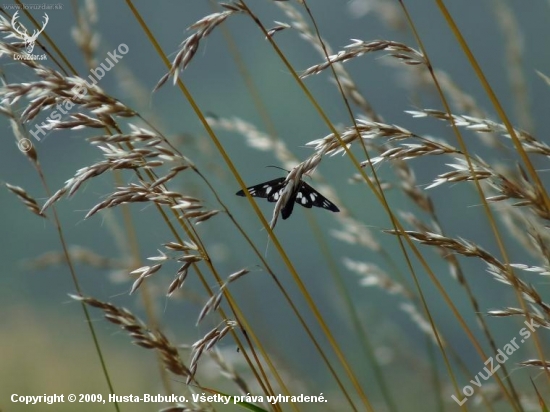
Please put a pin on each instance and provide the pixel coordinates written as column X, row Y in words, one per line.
column 215, row 300
column 397, row 50
column 27, row 199
column 480, row 125
column 181, row 247
column 409, row 186
column 189, row 46
column 279, row 27
column 500, row 271
column 179, row 280
column 408, row 151
column 133, row 159
column 355, row 234
column 536, row 362
column 349, row 87
column 54, row 89
column 206, row 343
column 366, row 130
column 462, row 173
column 182, row 272
column 187, row 259
column 460, row 100
column 142, row 336
column 23, row 143
column 143, row 272
column 507, row 188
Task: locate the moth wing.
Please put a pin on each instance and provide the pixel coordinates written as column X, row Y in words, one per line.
column 309, row 197
column 276, row 194
column 271, row 189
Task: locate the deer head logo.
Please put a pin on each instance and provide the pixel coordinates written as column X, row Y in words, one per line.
column 23, row 34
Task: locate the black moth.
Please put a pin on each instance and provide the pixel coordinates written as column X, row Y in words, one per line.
column 304, row 195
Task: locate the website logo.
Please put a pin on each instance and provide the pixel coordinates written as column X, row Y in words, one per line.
column 29, row 40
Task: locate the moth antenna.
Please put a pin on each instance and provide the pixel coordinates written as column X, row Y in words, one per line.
column 277, row 167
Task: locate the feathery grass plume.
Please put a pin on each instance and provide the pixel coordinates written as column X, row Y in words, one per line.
column 499, row 270
column 215, row 300
column 348, row 84
column 21, row 138
column 478, row 125
column 143, row 272
column 27, row 200
column 189, row 47
column 55, row 89
column 140, row 334
column 206, row 343
column 400, row 51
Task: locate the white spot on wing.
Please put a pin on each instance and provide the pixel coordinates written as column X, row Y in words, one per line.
column 268, row 189
column 304, row 201
column 312, row 195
